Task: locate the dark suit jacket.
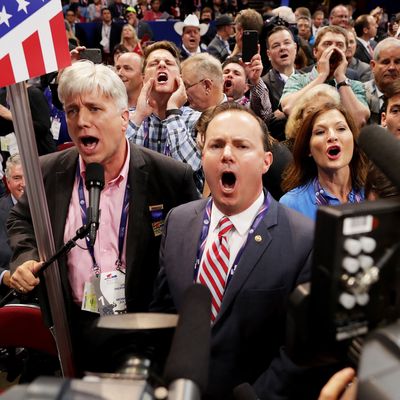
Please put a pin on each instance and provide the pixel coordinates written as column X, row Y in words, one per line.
column 250, row 327
column 115, row 35
column 275, row 87
column 6, row 204
column 362, row 53
column 154, row 179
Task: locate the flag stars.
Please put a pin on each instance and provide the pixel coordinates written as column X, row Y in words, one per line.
column 4, row 17
column 22, row 4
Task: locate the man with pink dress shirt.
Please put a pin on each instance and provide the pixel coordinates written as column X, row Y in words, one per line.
column 141, row 186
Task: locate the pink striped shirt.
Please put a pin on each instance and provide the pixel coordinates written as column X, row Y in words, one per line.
column 79, row 261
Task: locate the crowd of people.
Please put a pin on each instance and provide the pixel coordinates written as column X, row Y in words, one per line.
column 214, row 170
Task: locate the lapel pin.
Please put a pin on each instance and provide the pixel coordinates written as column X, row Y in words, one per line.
column 258, row 238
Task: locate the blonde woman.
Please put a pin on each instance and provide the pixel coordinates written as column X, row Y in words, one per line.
column 130, row 40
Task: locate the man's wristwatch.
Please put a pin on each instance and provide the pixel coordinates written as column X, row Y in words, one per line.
column 346, row 82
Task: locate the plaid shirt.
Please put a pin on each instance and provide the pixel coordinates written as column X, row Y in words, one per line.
column 260, row 102
column 174, row 136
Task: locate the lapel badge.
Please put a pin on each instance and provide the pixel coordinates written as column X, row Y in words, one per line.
column 157, row 218
column 258, row 238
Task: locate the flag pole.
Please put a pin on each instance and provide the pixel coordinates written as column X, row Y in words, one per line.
column 23, row 126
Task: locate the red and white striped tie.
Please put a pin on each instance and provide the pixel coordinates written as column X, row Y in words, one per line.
column 214, row 269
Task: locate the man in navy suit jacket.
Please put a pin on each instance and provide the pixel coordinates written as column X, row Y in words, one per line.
column 270, row 252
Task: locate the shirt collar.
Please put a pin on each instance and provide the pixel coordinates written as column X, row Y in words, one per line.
column 187, row 51
column 242, row 221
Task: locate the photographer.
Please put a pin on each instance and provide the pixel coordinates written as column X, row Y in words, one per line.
column 329, row 51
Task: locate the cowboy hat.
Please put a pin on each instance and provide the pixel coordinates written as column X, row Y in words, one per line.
column 190, row 20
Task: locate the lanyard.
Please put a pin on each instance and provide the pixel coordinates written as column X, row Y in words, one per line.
column 122, row 224
column 206, row 226
column 323, row 200
column 146, row 143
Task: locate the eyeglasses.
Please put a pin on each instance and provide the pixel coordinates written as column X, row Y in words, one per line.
column 187, row 87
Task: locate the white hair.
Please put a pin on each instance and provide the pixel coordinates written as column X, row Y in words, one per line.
column 86, row 77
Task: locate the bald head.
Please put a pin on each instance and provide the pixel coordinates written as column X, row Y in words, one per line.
column 129, row 66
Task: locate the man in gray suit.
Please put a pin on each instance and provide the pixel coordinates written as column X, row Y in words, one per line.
column 269, row 254
column 219, row 46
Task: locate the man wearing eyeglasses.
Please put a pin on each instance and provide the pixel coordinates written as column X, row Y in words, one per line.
column 203, row 80
column 160, row 121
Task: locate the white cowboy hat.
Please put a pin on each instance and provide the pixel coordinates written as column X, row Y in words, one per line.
column 190, row 20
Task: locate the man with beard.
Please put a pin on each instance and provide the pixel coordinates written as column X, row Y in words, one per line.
column 239, row 78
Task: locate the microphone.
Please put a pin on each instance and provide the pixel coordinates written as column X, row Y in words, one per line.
column 383, row 149
column 186, row 370
column 244, row 391
column 94, row 184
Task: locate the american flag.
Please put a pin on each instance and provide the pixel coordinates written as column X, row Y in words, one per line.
column 33, row 39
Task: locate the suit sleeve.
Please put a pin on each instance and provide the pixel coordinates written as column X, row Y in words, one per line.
column 21, row 235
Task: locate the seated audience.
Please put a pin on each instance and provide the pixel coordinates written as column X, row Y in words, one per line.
column 328, row 168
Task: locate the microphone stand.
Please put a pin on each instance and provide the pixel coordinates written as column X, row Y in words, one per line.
column 66, row 248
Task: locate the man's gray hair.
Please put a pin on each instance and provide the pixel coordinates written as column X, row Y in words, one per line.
column 384, row 44
column 206, row 67
column 86, row 77
column 13, row 161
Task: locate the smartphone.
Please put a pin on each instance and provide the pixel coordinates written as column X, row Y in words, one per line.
column 93, row 55
column 249, row 45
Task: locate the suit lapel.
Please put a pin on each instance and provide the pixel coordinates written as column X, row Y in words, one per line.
column 62, row 188
column 138, row 180
column 191, row 243
column 253, row 252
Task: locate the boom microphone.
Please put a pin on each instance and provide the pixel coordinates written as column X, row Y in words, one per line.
column 383, row 149
column 186, row 370
column 94, row 184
